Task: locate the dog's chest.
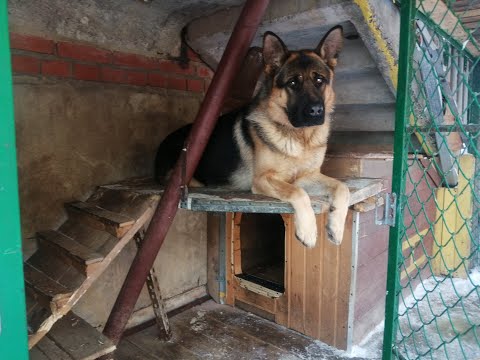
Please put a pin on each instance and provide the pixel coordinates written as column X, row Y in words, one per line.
column 288, row 166
column 304, row 163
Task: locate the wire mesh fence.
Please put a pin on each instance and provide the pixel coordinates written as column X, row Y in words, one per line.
column 437, row 282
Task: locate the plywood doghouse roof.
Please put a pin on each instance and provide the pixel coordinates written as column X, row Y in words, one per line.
column 224, row 200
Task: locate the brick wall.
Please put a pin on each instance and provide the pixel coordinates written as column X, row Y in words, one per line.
column 32, row 55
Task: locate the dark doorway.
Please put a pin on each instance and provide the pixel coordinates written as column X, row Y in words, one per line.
column 262, row 242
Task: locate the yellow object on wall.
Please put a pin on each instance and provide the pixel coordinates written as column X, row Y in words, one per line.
column 451, row 247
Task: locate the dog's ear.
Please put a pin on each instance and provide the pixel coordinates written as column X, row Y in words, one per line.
column 274, row 52
column 330, row 46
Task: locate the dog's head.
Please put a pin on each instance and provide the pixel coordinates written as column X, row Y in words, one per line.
column 302, row 80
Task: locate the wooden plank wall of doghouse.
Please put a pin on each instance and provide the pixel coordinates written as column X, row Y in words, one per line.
column 317, row 284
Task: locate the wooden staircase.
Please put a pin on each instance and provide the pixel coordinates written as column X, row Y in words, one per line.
column 69, row 260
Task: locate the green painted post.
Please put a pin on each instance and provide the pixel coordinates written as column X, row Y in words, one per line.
column 13, row 324
column 402, row 113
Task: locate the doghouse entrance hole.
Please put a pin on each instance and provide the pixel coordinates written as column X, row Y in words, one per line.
column 262, row 245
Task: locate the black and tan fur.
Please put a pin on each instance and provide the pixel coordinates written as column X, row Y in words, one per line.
column 276, row 145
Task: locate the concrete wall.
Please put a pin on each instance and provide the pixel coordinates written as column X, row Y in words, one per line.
column 90, row 116
column 180, row 268
column 72, row 136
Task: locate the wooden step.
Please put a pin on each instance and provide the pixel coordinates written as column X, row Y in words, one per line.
column 48, row 293
column 46, row 349
column 100, row 218
column 72, row 338
column 60, row 255
column 76, row 254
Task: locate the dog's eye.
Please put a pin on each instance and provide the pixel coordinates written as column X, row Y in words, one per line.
column 292, row 83
column 318, row 80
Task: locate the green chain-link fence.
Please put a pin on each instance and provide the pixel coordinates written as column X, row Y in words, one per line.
column 433, row 304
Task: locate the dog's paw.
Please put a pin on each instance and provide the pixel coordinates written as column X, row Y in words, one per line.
column 306, row 230
column 335, row 232
column 309, row 240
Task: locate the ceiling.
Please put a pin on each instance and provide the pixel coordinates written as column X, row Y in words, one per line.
column 146, row 27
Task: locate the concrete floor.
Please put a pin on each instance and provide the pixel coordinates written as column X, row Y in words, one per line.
column 212, row 331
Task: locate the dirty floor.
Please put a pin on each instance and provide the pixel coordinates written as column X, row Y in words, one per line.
column 212, row 331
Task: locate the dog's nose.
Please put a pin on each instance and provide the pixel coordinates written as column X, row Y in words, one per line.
column 314, row 110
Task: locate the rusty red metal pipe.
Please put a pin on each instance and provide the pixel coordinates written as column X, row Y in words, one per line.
column 235, row 52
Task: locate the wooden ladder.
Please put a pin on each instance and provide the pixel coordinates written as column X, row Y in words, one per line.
column 67, row 263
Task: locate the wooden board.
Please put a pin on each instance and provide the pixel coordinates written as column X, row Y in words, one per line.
column 36, row 354
column 335, row 291
column 148, row 339
column 236, row 245
column 47, row 349
column 45, row 290
column 102, row 219
column 345, row 278
column 314, row 283
column 204, row 344
column 229, row 270
column 128, row 350
column 282, row 303
column 223, row 200
column 212, row 331
column 211, row 199
column 250, row 297
column 230, row 339
column 103, row 214
column 287, row 340
column 296, row 281
column 317, row 298
column 66, row 244
column 78, row 339
column 368, row 204
column 128, row 204
column 99, row 241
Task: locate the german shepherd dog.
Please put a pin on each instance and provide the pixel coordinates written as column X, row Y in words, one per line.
column 276, row 145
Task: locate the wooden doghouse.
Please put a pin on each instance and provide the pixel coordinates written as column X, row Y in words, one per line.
column 256, row 263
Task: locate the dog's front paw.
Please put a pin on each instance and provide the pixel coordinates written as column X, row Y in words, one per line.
column 335, row 232
column 306, row 229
